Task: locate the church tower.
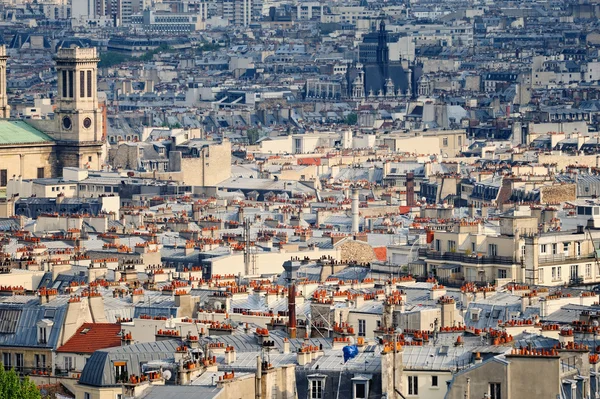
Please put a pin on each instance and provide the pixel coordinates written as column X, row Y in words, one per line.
column 78, row 116
column 78, row 128
column 4, row 107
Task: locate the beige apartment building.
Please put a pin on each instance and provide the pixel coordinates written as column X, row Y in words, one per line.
column 527, row 246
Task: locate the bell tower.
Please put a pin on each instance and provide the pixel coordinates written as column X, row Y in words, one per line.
column 4, row 107
column 78, row 119
column 78, row 116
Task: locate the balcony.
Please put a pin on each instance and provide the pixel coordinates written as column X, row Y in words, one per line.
column 562, row 258
column 470, row 259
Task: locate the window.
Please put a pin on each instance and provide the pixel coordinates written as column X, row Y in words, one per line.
column 554, row 249
column 3, row 177
column 121, row 374
column 566, row 247
column 588, row 270
column 64, row 83
column 553, row 273
column 574, row 272
column 559, row 272
column 361, row 391
column 434, row 380
column 445, row 142
column 362, row 328
column 42, row 335
column 495, row 391
column 413, row 385
column 316, row 389
column 543, row 248
column 90, row 158
column 578, row 248
column 81, row 83
column 68, row 363
column 459, row 140
column 6, row 360
column 451, row 246
column 40, row 362
column 19, row 361
column 501, row 273
column 89, row 84
column 438, row 245
column 86, row 395
column 473, row 248
column 71, row 74
column 40, row 173
column 493, row 250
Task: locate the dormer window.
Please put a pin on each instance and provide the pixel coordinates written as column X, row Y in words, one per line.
column 360, row 386
column 316, row 386
column 44, row 327
column 42, row 335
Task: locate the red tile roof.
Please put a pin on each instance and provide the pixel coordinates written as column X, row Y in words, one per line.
column 309, row 161
column 381, row 253
column 93, row 336
column 404, row 209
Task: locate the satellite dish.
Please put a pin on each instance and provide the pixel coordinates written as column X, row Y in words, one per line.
column 166, row 374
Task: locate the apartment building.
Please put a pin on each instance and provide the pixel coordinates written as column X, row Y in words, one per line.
column 525, row 246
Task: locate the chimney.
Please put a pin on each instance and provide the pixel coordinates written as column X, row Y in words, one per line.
column 230, row 355
column 291, row 269
column 286, row 346
column 303, row 358
column 137, row 295
column 96, row 304
column 47, row 295
column 565, row 336
column 355, row 216
column 292, row 309
column 410, row 189
column 184, row 303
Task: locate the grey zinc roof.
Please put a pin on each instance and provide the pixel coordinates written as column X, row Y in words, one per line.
column 22, row 321
column 98, row 370
column 181, row 392
column 434, row 358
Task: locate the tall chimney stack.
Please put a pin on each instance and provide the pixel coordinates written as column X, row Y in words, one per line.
column 410, row 189
column 291, row 268
column 355, row 218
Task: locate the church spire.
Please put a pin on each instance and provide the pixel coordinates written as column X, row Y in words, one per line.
column 383, row 53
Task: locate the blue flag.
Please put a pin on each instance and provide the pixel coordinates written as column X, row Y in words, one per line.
column 350, row 352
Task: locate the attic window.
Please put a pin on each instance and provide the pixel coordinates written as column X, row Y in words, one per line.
column 49, row 313
column 85, row 331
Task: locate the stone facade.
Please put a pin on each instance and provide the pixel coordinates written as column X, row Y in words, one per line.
column 209, row 167
column 557, row 194
column 355, row 251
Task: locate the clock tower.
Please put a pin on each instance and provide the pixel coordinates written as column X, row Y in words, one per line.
column 78, row 120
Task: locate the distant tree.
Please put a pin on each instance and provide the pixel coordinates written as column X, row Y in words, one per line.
column 13, row 387
column 253, row 135
column 352, row 119
column 111, row 58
